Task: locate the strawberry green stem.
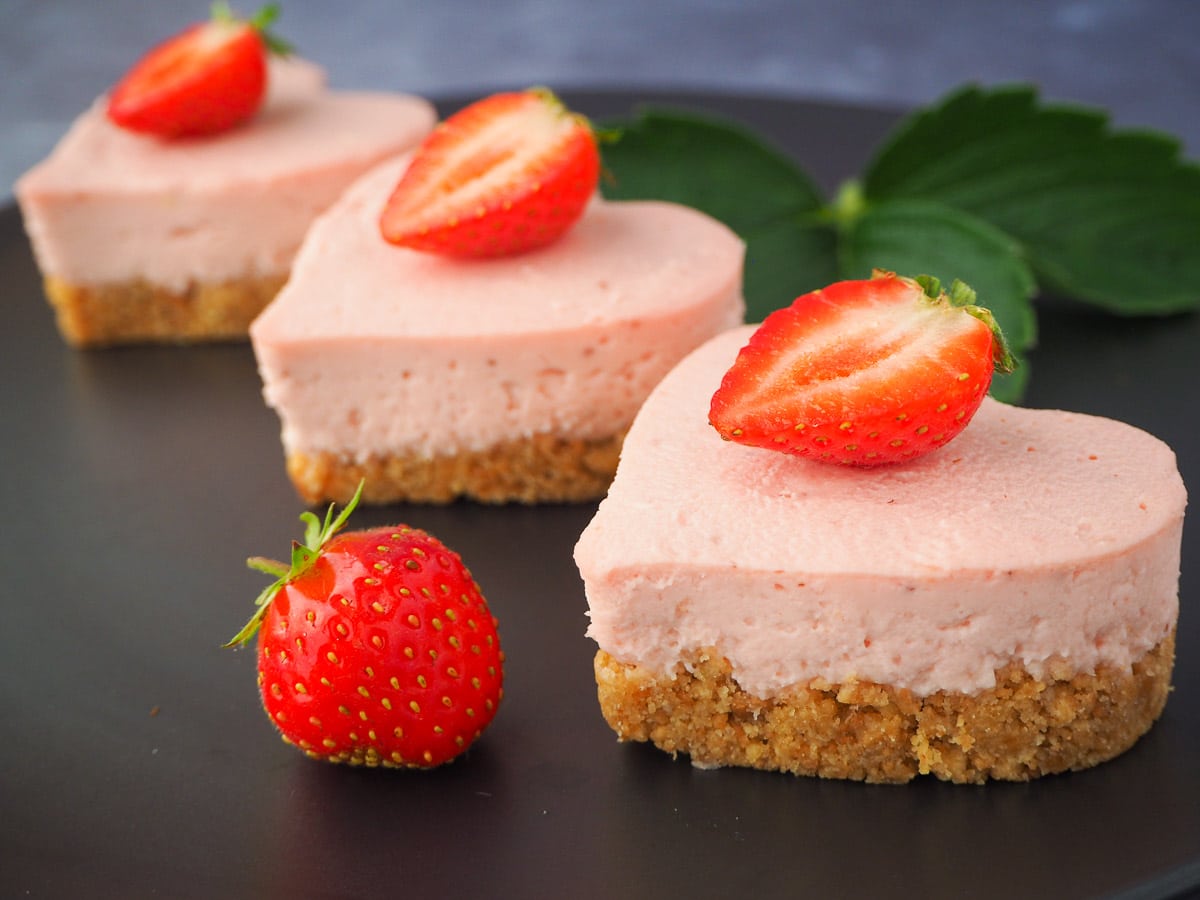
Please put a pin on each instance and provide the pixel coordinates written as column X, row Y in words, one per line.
column 849, row 205
column 261, row 22
column 316, row 536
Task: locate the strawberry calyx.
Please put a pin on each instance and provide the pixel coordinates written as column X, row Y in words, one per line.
column 317, row 534
column 962, row 296
column 261, row 21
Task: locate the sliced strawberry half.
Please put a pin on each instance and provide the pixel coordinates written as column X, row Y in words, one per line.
column 863, row 372
column 208, row 78
column 505, row 175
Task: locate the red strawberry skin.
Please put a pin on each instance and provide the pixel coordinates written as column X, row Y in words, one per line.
column 866, row 373
column 207, row 79
column 508, row 174
column 383, row 652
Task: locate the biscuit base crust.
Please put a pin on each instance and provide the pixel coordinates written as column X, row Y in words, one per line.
column 137, row 311
column 539, row 469
column 1021, row 729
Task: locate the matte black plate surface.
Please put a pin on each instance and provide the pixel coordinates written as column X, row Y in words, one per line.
column 136, row 762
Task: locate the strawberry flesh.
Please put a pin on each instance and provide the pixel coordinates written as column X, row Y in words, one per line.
column 506, row 175
column 863, row 373
column 207, row 79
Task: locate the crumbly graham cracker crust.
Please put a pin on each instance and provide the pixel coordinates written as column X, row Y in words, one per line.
column 539, row 469
column 1023, row 728
column 140, row 312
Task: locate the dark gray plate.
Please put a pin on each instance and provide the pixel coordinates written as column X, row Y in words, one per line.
column 135, row 761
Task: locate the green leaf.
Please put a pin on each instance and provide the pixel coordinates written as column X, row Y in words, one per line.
column 1108, row 217
column 912, row 236
column 710, row 164
column 988, row 186
column 724, row 170
column 785, row 260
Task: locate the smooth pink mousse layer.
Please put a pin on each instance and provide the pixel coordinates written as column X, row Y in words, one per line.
column 109, row 205
column 376, row 349
column 1036, row 535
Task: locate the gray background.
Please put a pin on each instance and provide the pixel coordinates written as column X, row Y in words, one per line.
column 1140, row 59
column 100, row 799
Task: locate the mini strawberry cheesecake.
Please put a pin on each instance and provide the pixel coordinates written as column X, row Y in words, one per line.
column 498, row 349
column 172, row 212
column 999, row 605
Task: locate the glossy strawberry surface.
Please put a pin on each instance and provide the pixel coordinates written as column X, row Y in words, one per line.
column 383, row 652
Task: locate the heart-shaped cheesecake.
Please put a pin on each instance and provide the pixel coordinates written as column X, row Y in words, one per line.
column 145, row 239
column 1002, row 607
column 510, row 378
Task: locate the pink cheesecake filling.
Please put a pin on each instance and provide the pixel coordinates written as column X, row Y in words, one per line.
column 376, row 349
column 111, row 206
column 1036, row 536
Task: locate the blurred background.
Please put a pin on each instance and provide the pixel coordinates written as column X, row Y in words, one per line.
column 1140, row 59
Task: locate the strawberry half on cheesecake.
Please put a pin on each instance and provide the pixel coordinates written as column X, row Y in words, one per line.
column 476, row 322
column 172, row 208
column 801, row 567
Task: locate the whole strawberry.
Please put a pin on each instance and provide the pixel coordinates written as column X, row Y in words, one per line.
column 376, row 647
column 507, row 174
column 864, row 373
column 208, row 78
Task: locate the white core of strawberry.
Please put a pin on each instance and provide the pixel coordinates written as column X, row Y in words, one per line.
column 899, row 337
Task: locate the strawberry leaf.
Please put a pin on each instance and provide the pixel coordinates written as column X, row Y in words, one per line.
column 986, row 186
column 711, row 164
column 786, row 259
column 795, row 243
column 1108, row 217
